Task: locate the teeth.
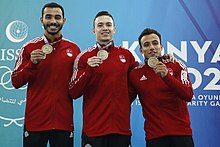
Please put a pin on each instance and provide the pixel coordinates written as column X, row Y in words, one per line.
column 53, row 27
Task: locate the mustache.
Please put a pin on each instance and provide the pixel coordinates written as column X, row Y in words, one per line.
column 154, row 52
column 52, row 24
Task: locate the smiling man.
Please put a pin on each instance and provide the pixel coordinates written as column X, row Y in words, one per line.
column 163, row 88
column 101, row 76
column 42, row 61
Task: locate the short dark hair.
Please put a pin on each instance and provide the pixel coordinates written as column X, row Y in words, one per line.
column 148, row 31
column 101, row 13
column 52, row 5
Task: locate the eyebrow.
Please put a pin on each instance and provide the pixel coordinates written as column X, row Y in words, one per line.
column 104, row 22
column 151, row 41
column 53, row 15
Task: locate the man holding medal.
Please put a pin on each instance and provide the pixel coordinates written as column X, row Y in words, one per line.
column 45, row 64
column 100, row 75
column 163, row 88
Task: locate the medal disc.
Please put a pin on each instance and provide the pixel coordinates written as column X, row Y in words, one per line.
column 47, row 49
column 103, row 54
column 152, row 61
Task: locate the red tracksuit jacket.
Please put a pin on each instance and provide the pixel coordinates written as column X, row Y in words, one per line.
column 48, row 104
column 163, row 100
column 106, row 105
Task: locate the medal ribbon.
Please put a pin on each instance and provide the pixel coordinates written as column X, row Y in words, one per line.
column 52, row 43
column 104, row 47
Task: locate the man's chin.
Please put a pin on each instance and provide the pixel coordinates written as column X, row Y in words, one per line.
column 106, row 40
column 148, row 56
column 52, row 33
column 153, row 54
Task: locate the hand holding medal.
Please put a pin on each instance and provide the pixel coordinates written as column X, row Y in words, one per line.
column 161, row 67
column 37, row 55
column 95, row 61
column 47, row 49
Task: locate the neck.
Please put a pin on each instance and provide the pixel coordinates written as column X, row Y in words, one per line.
column 52, row 37
column 105, row 46
column 103, row 43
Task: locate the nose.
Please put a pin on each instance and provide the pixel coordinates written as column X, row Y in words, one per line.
column 152, row 47
column 53, row 20
column 104, row 27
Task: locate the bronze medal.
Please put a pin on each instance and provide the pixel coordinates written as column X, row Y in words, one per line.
column 47, row 48
column 103, row 54
column 152, row 61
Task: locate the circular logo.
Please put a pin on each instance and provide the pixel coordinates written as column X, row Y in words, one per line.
column 16, row 31
column 5, row 78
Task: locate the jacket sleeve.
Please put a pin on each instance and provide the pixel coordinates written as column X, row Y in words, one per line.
column 181, row 83
column 80, row 78
column 131, row 90
column 133, row 63
column 24, row 69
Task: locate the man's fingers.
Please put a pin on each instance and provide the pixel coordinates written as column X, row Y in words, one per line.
column 94, row 61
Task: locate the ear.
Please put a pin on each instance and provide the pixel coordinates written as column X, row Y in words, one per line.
column 64, row 20
column 114, row 30
column 141, row 50
column 41, row 19
column 93, row 30
column 161, row 47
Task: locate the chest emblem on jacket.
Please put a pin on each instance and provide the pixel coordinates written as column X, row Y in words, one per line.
column 69, row 52
column 170, row 71
column 122, row 58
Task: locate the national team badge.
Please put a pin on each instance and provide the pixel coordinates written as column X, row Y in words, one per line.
column 170, row 71
column 122, row 58
column 69, row 52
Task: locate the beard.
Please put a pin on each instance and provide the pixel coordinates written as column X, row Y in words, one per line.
column 46, row 26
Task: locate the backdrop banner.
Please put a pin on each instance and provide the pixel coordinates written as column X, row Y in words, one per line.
column 190, row 30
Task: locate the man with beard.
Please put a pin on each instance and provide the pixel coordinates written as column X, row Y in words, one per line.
column 42, row 61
